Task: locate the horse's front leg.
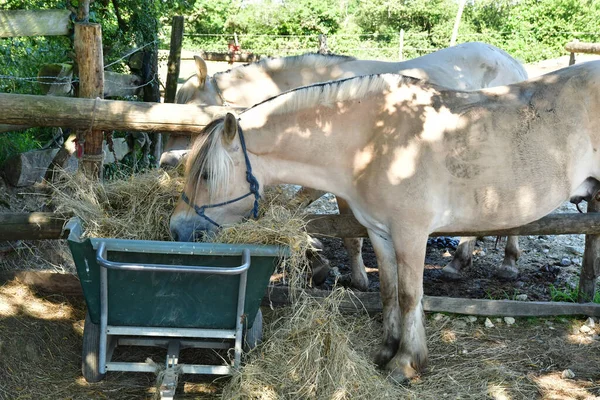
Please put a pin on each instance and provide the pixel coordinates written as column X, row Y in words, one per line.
column 353, row 246
column 388, row 278
column 411, row 357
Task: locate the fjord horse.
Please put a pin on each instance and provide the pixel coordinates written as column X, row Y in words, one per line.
column 467, row 66
column 410, row 158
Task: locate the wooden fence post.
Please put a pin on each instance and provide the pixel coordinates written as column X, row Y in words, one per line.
column 591, row 258
column 88, row 51
column 152, row 94
column 401, row 46
column 323, row 44
column 174, row 59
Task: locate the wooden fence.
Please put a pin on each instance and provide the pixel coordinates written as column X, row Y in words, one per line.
column 98, row 114
column 93, row 80
column 576, row 46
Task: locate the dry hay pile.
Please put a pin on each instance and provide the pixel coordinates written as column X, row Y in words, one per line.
column 280, row 223
column 313, row 351
column 136, row 207
column 139, row 207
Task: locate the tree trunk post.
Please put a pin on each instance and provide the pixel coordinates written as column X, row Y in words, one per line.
column 572, row 58
column 152, row 93
column 88, row 52
column 591, row 257
column 174, row 59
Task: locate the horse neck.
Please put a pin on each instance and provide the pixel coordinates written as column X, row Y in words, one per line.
column 284, row 155
column 261, row 84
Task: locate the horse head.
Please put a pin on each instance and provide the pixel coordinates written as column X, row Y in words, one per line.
column 221, row 186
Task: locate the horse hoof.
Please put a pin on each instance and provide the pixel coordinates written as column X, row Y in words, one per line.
column 360, row 284
column 450, row 273
column 402, row 375
column 507, row 272
column 383, row 356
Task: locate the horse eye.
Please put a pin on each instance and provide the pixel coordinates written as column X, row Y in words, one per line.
column 204, row 176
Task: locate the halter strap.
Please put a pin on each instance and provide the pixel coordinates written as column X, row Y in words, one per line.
column 250, row 178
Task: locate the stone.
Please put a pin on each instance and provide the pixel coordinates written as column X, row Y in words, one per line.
column 509, row 320
column 576, row 260
column 576, row 250
column 439, row 317
column 545, row 251
column 521, row 297
column 585, row 329
column 590, row 322
column 568, row 374
column 565, row 262
column 488, row 323
column 472, row 319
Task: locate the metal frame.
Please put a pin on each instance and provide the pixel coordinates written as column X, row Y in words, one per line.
column 111, row 336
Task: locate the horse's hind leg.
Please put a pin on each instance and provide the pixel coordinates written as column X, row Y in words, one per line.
column 411, row 356
column 360, row 280
column 463, row 257
column 388, row 283
column 508, row 269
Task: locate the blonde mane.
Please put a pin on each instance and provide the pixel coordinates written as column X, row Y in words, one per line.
column 331, row 92
column 208, row 161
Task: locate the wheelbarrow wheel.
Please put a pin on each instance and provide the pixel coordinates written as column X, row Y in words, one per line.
column 254, row 335
column 90, row 355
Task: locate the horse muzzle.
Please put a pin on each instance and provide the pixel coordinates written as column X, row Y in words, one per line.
column 190, row 229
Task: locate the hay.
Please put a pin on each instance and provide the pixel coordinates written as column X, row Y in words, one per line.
column 313, row 352
column 140, row 206
column 137, row 207
column 281, row 222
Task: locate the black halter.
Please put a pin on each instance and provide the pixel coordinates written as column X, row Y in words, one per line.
column 252, row 181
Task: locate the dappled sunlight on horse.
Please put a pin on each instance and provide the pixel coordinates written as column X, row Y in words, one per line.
column 538, row 139
column 466, row 66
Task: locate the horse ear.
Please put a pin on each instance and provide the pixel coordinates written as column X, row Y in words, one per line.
column 201, row 70
column 230, row 127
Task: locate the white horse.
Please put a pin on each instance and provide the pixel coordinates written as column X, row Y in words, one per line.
column 467, row 66
column 419, row 159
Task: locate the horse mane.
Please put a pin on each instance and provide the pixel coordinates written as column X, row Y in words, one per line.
column 187, row 90
column 269, row 65
column 328, row 93
column 208, row 158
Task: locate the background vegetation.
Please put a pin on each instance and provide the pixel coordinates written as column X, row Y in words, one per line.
column 530, row 30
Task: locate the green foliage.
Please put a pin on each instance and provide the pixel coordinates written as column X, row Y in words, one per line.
column 13, row 143
column 569, row 294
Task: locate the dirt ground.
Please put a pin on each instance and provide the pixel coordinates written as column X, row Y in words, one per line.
column 41, row 336
column 546, row 262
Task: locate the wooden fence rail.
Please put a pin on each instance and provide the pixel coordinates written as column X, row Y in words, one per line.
column 98, row 114
column 31, row 226
column 14, row 23
column 581, row 47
